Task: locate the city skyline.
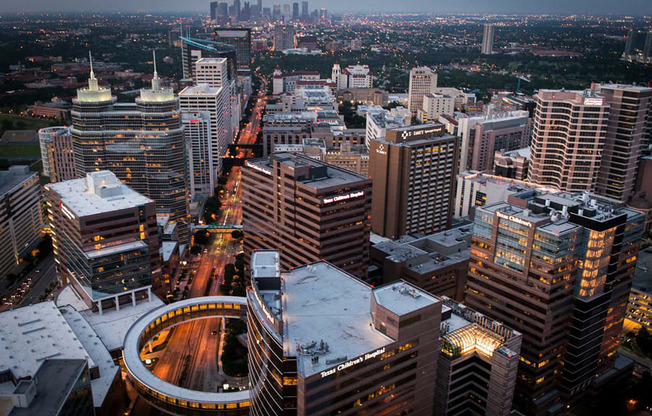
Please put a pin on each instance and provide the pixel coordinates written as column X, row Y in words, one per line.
column 557, row 7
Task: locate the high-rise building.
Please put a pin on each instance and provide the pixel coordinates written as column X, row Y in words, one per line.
column 482, row 136
column 216, row 102
column 423, row 80
column 283, row 37
column 488, row 39
column 305, row 13
column 193, row 50
column 435, row 105
column 276, row 14
column 141, row 143
column 287, row 13
column 105, row 239
column 353, row 76
column 308, row 210
column 413, row 171
column 212, row 72
column 568, row 137
column 630, row 108
column 295, row 11
column 213, row 10
column 358, row 347
column 544, row 264
column 21, row 219
column 222, row 12
column 201, row 174
column 477, row 367
column 57, row 153
column 240, row 38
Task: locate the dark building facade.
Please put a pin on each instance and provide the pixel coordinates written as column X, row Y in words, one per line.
column 240, row 38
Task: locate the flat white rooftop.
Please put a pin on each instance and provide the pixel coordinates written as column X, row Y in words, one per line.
column 322, row 302
column 83, row 200
column 265, row 263
column 402, row 298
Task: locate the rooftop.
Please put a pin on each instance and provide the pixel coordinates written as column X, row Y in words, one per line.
column 322, row 302
column 402, row 298
column 200, row 89
column 98, row 193
column 14, row 177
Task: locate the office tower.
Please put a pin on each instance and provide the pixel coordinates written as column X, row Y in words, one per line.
column 647, row 48
column 481, row 136
column 105, row 238
column 193, row 50
column 216, row 102
column 423, row 80
column 542, row 265
column 435, row 105
column 259, row 4
column 305, row 14
column 308, row 210
column 323, row 15
column 283, row 37
column 222, row 12
column 245, row 13
column 295, row 11
column 358, row 347
column 276, row 14
column 286, row 12
column 488, row 39
column 235, row 11
column 413, row 171
column 629, row 43
column 142, row 143
column 57, row 153
column 478, row 364
column 630, row 107
column 20, row 215
column 201, row 174
column 565, row 153
column 213, row 10
column 212, row 72
column 437, row 263
column 353, row 76
column 240, row 38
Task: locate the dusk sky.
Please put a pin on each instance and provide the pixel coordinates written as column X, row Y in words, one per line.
column 631, row 7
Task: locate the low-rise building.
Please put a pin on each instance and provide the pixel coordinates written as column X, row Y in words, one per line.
column 512, row 164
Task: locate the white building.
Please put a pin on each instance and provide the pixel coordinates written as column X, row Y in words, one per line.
column 488, row 39
column 435, row 105
column 379, row 121
column 211, row 71
column 201, row 171
column 353, row 76
column 217, row 102
column 423, row 80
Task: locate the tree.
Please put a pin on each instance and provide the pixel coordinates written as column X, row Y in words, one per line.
column 222, row 180
column 239, row 261
column 212, row 210
column 237, row 234
column 202, row 237
column 195, row 250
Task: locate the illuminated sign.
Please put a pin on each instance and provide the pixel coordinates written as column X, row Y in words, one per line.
column 344, row 197
column 355, row 361
column 514, row 219
column 259, row 168
column 593, row 101
column 411, row 133
column 381, row 149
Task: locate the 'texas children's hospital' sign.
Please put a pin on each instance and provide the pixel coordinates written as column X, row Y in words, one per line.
column 512, row 218
column 351, row 363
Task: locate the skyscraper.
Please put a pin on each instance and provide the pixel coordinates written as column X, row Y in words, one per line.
column 201, row 173
column 423, row 80
column 283, row 37
column 57, row 153
column 308, row 210
column 413, row 171
column 193, row 50
column 240, row 38
column 556, row 267
column 213, row 10
column 105, row 238
column 488, row 39
column 565, row 152
column 295, row 11
column 305, row 14
column 141, row 143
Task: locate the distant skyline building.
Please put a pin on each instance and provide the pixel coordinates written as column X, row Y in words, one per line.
column 142, row 143
column 413, row 171
column 213, row 6
column 524, row 272
column 21, row 218
column 57, row 153
column 488, row 39
column 284, row 37
column 308, row 210
column 423, row 80
column 105, row 239
column 295, row 11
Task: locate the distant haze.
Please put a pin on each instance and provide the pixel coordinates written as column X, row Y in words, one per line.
column 595, row 7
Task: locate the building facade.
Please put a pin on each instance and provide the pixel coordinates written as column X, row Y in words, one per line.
column 488, row 39
column 305, row 359
column 201, row 173
column 21, row 220
column 308, row 210
column 557, row 268
column 353, row 76
column 284, row 37
column 413, row 171
column 57, row 153
column 423, row 80
column 105, row 239
column 240, row 38
column 512, row 164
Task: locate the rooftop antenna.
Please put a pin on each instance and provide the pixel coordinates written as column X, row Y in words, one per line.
column 156, row 83
column 92, row 81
